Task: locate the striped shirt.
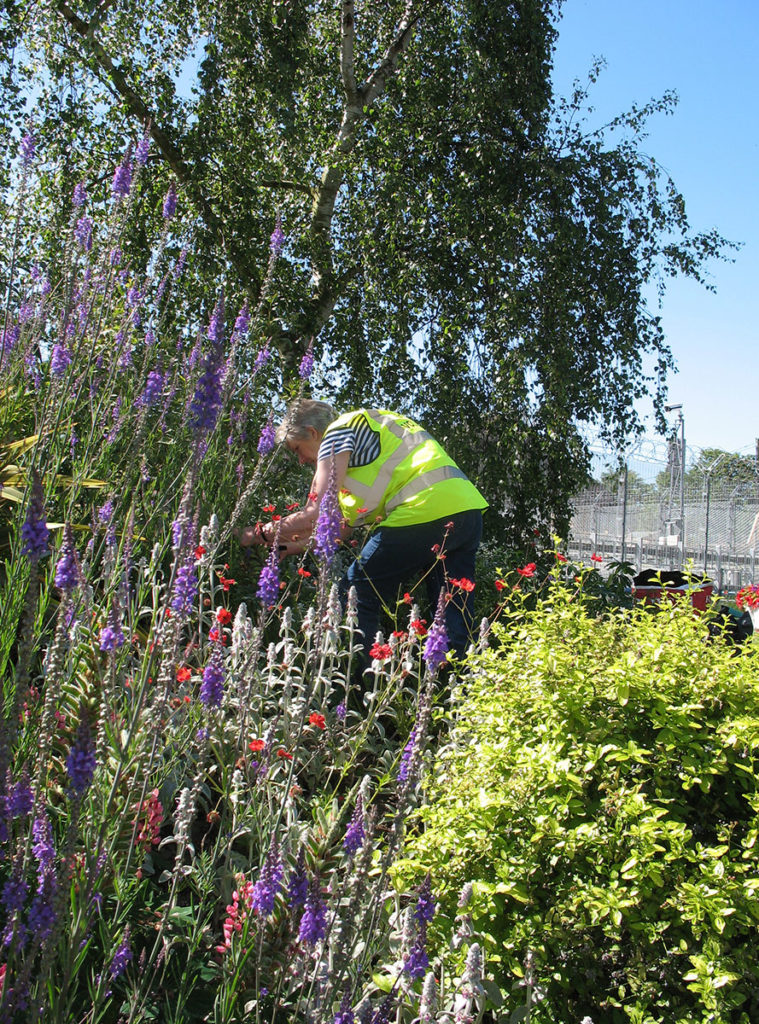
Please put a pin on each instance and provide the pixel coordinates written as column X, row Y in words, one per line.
column 357, row 437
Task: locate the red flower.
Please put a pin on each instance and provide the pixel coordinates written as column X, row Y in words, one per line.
column 463, row 584
column 184, row 675
column 362, row 509
column 419, row 626
column 500, row 585
column 407, row 598
column 284, row 753
column 303, row 572
column 216, row 636
column 268, row 508
column 224, row 616
column 256, row 745
column 560, row 557
column 199, row 551
column 400, row 634
column 226, row 583
column 596, row 558
column 528, row 570
column 292, row 507
column 380, row 652
column 318, row 721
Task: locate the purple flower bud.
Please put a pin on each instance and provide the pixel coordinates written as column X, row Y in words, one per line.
column 79, row 198
column 417, row 962
column 185, row 589
column 268, row 581
column 153, row 389
column 207, row 399
column 122, row 180
column 425, row 905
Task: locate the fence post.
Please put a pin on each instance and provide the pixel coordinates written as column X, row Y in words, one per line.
column 624, row 514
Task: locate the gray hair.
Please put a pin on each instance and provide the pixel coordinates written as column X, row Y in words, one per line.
column 303, row 414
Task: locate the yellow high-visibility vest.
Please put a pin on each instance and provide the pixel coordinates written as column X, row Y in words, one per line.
column 412, row 480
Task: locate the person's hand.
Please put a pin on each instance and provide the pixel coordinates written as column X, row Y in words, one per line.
column 251, row 535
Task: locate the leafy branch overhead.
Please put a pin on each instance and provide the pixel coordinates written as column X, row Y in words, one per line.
column 460, row 243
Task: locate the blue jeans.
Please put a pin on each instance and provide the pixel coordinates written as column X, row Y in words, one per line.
column 396, row 554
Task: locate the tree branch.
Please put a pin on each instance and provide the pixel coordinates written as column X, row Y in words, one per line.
column 140, row 110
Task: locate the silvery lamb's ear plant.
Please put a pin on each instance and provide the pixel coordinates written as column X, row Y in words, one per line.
column 200, row 798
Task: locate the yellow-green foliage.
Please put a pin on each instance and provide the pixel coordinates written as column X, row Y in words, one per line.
column 600, row 790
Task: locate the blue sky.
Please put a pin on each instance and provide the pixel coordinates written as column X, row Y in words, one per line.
column 706, row 52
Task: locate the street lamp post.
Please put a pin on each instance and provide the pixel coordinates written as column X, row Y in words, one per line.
column 681, row 424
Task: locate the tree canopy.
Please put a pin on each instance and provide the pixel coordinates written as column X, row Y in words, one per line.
column 459, row 243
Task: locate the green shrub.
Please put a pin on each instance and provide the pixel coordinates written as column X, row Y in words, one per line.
column 600, row 791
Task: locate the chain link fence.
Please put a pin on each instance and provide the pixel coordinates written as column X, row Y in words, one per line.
column 664, row 505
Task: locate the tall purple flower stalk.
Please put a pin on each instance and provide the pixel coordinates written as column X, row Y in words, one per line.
column 425, row 904
column 242, row 323
column 345, row 1014
column 83, row 233
column 185, row 588
column 405, row 762
column 79, row 196
column 216, row 323
column 121, row 958
column 28, row 149
column 329, row 522
column 212, row 687
column 262, row 357
column 111, row 635
column 34, row 532
column 297, row 886
column 436, row 645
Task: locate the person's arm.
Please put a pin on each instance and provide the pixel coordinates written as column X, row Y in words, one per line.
column 298, row 526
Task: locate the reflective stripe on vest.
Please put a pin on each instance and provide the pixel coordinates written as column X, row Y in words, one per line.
column 422, row 482
column 372, row 494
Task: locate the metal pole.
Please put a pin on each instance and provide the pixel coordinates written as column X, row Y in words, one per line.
column 624, row 513
column 682, row 490
column 706, row 526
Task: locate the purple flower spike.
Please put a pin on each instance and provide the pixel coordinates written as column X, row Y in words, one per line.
column 242, row 323
column 405, row 762
column 60, row 359
column 313, row 923
column 216, row 323
column 34, row 532
column 329, row 523
column 268, row 581
column 262, row 358
column 81, row 762
column 267, row 439
column 83, row 233
column 277, row 239
column 354, row 835
column 417, row 962
column 212, row 688
column 264, row 894
column 306, row 367
column 425, row 904
column 297, row 887
column 122, row 180
column 67, row 569
column 345, row 1014
column 79, row 198
column 143, row 150
column 121, row 958
column 28, row 148
column 170, row 202
column 185, row 588
column 111, row 635
column 436, row 645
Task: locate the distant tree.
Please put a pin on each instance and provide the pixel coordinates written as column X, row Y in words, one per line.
column 459, row 244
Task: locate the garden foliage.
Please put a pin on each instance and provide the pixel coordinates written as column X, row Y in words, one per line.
column 600, row 792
